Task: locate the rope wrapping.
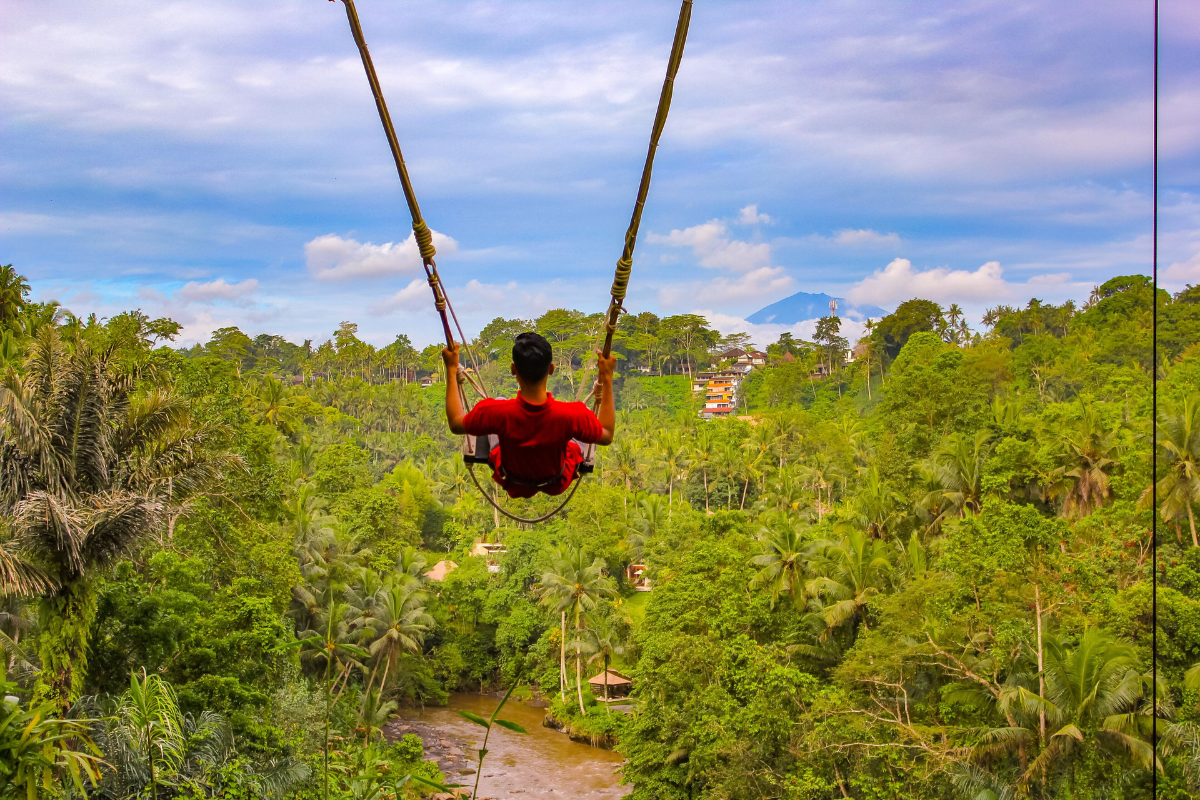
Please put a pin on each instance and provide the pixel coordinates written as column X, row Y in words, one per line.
column 424, row 239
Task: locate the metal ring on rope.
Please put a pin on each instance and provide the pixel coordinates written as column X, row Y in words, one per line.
column 527, row 520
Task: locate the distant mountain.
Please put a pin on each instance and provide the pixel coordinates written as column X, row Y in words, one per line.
column 803, row 305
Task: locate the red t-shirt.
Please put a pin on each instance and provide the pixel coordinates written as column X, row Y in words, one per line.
column 535, row 440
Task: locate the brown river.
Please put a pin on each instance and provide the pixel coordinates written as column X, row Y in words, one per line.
column 540, row 764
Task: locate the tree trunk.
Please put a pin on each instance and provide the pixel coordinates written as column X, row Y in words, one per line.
column 66, row 622
column 745, row 489
column 1037, row 600
column 868, row 379
column 579, row 667
column 705, row 473
column 562, row 661
column 607, row 710
column 1192, row 522
column 382, row 681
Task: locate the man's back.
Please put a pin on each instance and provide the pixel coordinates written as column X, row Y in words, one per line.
column 533, row 437
column 535, row 453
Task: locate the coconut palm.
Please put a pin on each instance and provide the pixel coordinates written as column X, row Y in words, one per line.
column 1095, row 694
column 13, row 291
column 783, row 563
column 398, row 627
column 272, row 406
column 846, row 574
column 307, row 511
column 700, row 459
column 605, row 638
column 876, row 508
column 622, row 463
column 572, row 586
column 958, row 465
column 410, row 568
column 673, row 459
column 1087, row 457
column 1182, row 739
column 1179, row 487
column 91, row 462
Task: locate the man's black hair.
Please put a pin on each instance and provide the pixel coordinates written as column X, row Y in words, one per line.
column 531, row 354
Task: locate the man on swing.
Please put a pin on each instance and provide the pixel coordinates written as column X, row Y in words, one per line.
column 536, row 452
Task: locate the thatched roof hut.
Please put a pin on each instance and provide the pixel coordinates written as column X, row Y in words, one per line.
column 618, row 685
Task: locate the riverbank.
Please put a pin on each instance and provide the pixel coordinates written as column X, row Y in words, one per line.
column 598, row 727
column 540, row 764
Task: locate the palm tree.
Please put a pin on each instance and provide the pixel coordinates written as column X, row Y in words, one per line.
column 958, row 464
column 572, row 586
column 1179, row 488
column 330, row 648
column 701, row 458
column 1093, row 691
column 876, row 506
column 783, row 563
column 606, row 637
column 672, row 458
column 273, row 406
column 953, row 315
column 847, row 574
column 1183, row 738
column 399, row 626
column 90, row 464
column 1082, row 476
column 13, row 291
column 152, row 741
column 622, row 461
column 307, row 510
column 649, row 514
column 789, row 488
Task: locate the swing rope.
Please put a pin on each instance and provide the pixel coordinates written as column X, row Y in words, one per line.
column 424, row 237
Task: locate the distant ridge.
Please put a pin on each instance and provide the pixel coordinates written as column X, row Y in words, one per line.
column 804, row 305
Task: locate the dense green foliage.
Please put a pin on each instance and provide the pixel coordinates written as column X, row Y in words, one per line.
column 922, row 573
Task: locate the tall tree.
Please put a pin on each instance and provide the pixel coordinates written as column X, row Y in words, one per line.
column 14, row 290
column 1088, row 456
column 91, row 462
column 571, row 586
column 1179, row 440
column 783, row 564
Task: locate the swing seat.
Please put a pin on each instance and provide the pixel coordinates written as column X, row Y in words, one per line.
column 476, row 449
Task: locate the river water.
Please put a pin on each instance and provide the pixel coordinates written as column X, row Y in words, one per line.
column 540, row 764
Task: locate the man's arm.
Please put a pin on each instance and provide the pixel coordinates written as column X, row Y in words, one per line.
column 454, row 409
column 608, row 410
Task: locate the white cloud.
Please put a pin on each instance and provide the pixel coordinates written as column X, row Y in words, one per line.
column 865, row 236
column 714, row 249
column 762, row 283
column 749, row 216
column 332, row 258
column 414, row 297
column 196, row 292
column 898, row 281
column 1184, row 271
column 474, row 301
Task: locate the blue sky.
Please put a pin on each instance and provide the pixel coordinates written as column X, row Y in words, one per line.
column 222, row 163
